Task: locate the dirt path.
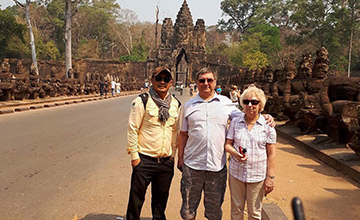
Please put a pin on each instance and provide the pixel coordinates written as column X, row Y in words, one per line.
column 325, row 193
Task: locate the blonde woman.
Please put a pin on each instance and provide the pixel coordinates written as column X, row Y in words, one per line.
column 251, row 173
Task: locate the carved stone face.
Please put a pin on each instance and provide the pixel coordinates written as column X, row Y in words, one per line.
column 71, row 73
column 277, row 74
column 5, row 66
column 305, row 73
column 321, row 71
column 249, row 76
column 322, row 52
column 269, row 76
column 32, row 69
column 288, row 75
column 53, row 71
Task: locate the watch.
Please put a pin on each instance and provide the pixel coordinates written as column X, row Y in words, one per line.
column 271, row 177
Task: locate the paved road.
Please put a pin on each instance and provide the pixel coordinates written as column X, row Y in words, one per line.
column 70, row 161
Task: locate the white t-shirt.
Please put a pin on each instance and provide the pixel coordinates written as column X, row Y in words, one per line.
column 113, row 84
column 233, row 96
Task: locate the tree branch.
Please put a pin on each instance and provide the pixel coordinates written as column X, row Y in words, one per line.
column 19, row 4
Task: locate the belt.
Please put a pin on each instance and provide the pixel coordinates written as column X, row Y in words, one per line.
column 156, row 159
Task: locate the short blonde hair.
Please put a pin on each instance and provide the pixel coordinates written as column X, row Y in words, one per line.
column 253, row 90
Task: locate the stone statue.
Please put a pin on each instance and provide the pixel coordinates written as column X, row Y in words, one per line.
column 6, row 82
column 199, row 35
column 22, row 82
column 298, row 86
column 36, row 84
column 167, row 33
column 305, row 67
column 5, row 66
column 281, row 92
column 267, row 87
column 309, row 100
column 20, row 69
column 248, row 78
column 335, row 95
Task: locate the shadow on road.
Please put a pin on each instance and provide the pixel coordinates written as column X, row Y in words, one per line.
column 96, row 216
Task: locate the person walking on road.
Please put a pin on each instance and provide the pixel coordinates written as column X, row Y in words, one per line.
column 201, row 152
column 113, row 86
column 191, row 86
column 102, row 88
column 152, row 143
column 251, row 172
column 118, row 88
column 234, row 94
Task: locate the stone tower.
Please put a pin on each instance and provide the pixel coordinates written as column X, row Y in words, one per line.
column 182, row 46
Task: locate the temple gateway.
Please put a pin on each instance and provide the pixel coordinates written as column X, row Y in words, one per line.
column 182, row 47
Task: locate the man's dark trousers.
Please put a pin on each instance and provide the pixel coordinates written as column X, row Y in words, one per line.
column 158, row 172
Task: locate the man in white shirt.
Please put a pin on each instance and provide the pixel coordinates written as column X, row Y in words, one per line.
column 201, row 152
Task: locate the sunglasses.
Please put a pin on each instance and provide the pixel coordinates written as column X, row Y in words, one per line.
column 166, row 79
column 208, row 80
column 253, row 102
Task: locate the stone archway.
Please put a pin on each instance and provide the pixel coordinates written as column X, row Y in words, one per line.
column 182, row 68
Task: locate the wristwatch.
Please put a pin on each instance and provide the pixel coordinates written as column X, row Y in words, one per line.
column 271, row 177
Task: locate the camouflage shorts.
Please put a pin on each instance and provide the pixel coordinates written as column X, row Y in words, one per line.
column 193, row 182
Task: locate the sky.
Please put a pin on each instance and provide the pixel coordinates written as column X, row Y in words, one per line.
column 209, row 10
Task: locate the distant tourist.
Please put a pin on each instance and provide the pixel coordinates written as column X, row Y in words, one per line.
column 191, row 86
column 102, row 88
column 113, row 87
column 118, row 88
column 234, row 94
column 218, row 90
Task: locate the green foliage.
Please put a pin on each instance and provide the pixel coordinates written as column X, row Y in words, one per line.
column 255, row 60
column 257, row 45
column 235, row 54
column 88, row 49
column 47, row 51
column 11, row 35
column 340, row 64
column 219, row 49
column 251, row 33
column 139, row 52
column 56, row 13
column 241, row 14
column 16, row 48
column 269, row 39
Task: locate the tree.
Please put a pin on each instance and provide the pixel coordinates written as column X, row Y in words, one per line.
column 276, row 13
column 139, row 52
column 92, row 22
column 32, row 41
column 217, row 41
column 354, row 7
column 255, row 60
column 67, row 37
column 11, row 35
column 241, row 14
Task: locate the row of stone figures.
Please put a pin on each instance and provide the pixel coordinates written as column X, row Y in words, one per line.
column 26, row 84
column 310, row 98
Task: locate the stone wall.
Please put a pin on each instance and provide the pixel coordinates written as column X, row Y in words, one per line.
column 130, row 74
